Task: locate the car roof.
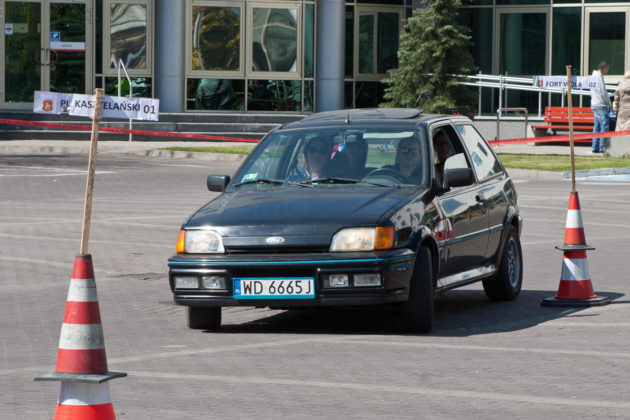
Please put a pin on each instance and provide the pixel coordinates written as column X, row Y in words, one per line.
column 368, row 115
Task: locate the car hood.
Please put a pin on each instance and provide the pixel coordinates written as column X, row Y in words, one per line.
column 316, row 213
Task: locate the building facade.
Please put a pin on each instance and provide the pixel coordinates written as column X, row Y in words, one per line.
column 280, row 55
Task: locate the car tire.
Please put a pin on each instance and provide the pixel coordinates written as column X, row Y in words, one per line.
column 203, row 318
column 417, row 313
column 506, row 285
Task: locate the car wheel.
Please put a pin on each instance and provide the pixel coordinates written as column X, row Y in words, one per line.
column 417, row 314
column 203, row 318
column 506, row 285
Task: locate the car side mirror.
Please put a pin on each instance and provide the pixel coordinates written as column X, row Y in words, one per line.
column 458, row 177
column 217, row 182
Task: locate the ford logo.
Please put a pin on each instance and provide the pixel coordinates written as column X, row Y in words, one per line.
column 275, row 240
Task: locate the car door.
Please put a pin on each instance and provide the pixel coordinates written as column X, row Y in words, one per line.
column 491, row 187
column 464, row 243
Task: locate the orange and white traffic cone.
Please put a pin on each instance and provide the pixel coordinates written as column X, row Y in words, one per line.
column 81, row 361
column 575, row 287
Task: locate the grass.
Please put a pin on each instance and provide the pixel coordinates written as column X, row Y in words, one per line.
column 561, row 163
column 554, row 163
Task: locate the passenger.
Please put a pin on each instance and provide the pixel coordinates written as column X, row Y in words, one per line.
column 443, row 151
column 316, row 155
column 357, row 154
column 409, row 159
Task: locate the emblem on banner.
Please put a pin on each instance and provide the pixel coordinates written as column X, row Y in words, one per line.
column 540, row 83
column 47, row 105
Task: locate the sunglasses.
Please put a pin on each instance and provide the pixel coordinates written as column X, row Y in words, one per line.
column 409, row 151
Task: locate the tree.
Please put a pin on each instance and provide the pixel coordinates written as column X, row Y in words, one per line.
column 434, row 48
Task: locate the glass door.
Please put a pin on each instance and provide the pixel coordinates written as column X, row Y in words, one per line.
column 605, row 40
column 46, row 46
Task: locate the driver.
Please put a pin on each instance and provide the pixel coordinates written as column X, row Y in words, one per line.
column 409, row 158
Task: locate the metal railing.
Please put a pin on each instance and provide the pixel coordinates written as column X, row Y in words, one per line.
column 505, row 84
column 121, row 65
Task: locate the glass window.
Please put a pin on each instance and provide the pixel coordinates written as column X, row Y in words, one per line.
column 378, row 41
column 523, row 43
column 485, row 164
column 128, row 35
column 216, row 38
column 368, row 94
column 565, row 45
column 387, row 155
column 478, row 21
column 607, row 33
column 22, row 58
column 274, row 40
column 309, row 89
column 349, row 68
column 274, row 95
column 141, row 87
column 215, row 94
column 502, row 2
column 309, row 40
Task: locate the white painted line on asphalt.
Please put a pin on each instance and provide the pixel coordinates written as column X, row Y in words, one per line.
column 127, row 243
column 435, row 392
column 458, row 347
column 44, row 171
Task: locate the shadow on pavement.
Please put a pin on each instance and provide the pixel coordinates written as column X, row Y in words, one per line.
column 458, row 313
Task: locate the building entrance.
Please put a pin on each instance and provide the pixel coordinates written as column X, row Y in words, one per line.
column 47, row 45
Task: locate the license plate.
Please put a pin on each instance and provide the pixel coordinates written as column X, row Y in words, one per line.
column 276, row 288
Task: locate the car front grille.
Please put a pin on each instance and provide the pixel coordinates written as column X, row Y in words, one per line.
column 263, row 250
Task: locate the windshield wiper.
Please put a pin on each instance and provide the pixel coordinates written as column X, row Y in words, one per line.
column 330, row 180
column 269, row 181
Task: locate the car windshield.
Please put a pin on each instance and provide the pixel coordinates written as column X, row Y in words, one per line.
column 386, row 156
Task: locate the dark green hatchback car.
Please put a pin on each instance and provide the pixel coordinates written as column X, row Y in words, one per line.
column 353, row 207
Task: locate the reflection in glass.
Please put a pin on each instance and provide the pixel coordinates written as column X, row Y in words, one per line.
column 274, row 95
column 348, row 67
column 309, row 40
column 367, row 21
column 141, row 87
column 216, row 38
column 523, row 44
column 606, row 41
column 128, row 36
column 216, row 94
column 566, row 40
column 22, row 58
column 368, row 94
column 67, row 69
column 378, row 42
column 309, row 89
column 274, row 40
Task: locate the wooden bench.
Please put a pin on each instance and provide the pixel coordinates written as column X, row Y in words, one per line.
column 557, row 118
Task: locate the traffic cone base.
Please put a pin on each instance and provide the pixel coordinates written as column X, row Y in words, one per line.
column 84, row 401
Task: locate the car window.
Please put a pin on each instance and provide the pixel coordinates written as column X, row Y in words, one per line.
column 374, row 154
column 485, row 164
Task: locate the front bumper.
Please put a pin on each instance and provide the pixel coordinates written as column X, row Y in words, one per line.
column 395, row 268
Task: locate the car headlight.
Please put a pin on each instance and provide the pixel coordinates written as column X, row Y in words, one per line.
column 199, row 242
column 363, row 239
